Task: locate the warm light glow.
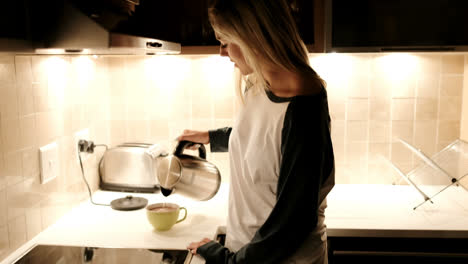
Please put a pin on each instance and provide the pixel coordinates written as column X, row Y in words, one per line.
column 332, row 66
column 57, row 73
column 216, row 70
column 50, row 51
column 397, row 66
column 84, row 69
column 167, row 71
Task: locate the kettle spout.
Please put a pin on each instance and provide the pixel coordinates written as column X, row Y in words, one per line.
column 166, row 192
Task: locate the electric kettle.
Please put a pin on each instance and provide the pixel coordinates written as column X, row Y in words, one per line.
column 187, row 175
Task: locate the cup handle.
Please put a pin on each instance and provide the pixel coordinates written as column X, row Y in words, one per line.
column 185, row 216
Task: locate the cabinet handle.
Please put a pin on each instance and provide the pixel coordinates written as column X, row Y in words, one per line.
column 153, row 45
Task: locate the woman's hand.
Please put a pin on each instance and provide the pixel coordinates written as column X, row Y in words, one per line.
column 194, row 245
column 195, row 136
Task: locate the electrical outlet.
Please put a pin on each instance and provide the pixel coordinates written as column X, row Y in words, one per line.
column 50, row 163
column 82, row 134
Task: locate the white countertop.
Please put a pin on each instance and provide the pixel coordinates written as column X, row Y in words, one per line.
column 353, row 210
column 387, row 211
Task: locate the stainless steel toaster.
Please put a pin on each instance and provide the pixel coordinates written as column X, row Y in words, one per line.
column 128, row 168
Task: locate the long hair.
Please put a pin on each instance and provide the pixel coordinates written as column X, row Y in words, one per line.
column 265, row 32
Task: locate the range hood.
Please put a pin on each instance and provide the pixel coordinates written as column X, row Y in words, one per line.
column 94, row 27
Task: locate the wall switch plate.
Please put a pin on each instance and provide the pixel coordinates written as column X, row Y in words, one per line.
column 50, row 163
column 82, row 134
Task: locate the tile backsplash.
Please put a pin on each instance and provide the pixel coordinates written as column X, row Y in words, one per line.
column 374, row 99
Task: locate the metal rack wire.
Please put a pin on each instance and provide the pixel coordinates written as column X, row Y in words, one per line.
column 449, row 166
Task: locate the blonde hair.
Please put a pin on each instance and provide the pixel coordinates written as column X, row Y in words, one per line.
column 265, row 32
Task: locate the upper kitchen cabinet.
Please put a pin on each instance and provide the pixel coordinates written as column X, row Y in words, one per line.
column 14, row 28
column 396, row 25
column 196, row 35
column 309, row 17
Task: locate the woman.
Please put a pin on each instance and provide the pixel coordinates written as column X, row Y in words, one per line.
column 281, row 155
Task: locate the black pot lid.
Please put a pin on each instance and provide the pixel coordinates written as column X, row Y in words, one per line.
column 129, row 203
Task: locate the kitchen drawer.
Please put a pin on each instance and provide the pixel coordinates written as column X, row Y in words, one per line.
column 397, row 250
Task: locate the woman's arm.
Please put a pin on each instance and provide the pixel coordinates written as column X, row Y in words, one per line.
column 218, row 138
column 307, row 163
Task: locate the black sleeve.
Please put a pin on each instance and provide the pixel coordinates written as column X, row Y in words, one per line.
column 307, row 162
column 219, row 139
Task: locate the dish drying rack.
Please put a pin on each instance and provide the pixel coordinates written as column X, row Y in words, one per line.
column 450, row 164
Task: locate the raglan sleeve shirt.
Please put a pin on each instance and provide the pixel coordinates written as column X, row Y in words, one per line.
column 219, row 139
column 307, row 164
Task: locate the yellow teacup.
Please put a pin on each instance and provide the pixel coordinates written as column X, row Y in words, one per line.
column 164, row 215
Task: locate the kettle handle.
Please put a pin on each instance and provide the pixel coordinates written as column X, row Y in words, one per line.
column 185, row 144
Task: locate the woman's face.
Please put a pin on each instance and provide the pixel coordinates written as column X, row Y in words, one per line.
column 234, row 52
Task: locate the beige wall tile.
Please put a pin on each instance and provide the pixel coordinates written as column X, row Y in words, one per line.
column 224, row 108
column 425, row 136
column 14, row 198
column 23, row 69
column 357, row 153
column 338, row 128
column 10, row 134
column 428, row 86
column 379, row 131
column 39, row 68
column 27, row 131
column 137, row 131
column 8, row 100
column 452, row 63
column 25, row 99
column 30, row 162
column 200, row 109
column 13, row 167
column 17, row 232
column 402, row 130
column 33, row 222
column 357, row 131
column 401, row 156
column 337, row 108
column 451, row 85
column 339, row 153
column 404, row 88
column 379, row 153
column 450, row 108
column 176, row 127
column 203, row 124
column 381, row 174
column 380, row 109
column 159, row 130
column 380, row 87
column 3, row 174
column 403, row 109
column 51, row 212
column 3, row 208
column 357, row 109
column 356, row 174
column 117, row 132
column 359, row 86
column 464, row 121
column 7, row 68
column 4, row 241
column 426, row 109
column 448, row 131
column 221, row 161
column 430, row 64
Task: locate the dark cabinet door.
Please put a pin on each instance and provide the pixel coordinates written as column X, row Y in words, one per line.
column 309, row 18
column 397, row 250
column 14, row 28
column 197, row 36
column 387, row 25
